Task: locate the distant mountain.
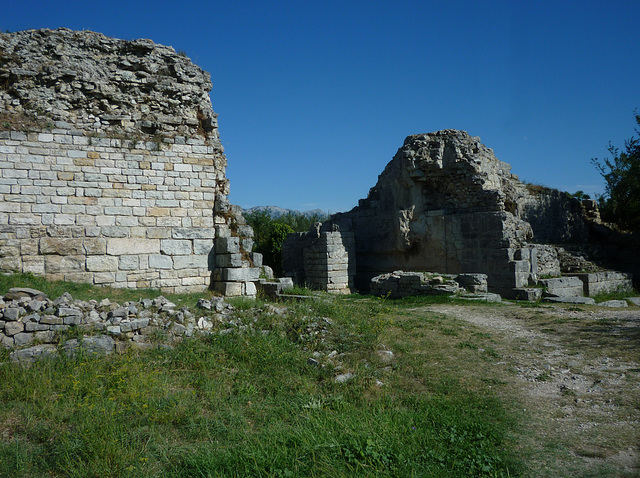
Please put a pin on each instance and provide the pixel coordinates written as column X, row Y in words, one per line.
column 275, row 211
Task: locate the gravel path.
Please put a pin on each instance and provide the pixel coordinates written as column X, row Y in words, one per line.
column 579, row 373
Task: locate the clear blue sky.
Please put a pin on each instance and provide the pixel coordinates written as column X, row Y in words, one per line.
column 316, row 97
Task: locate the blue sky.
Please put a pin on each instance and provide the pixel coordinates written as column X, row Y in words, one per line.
column 315, row 98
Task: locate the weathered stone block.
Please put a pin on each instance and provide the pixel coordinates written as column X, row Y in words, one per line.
column 12, row 313
column 60, row 264
column 256, row 258
column 228, row 260
column 202, row 246
column 94, row 246
column 124, row 246
column 13, row 328
column 193, row 261
column 237, row 274
column 129, row 263
column 563, row 286
column 157, row 261
column 35, row 327
column 193, row 233
column 172, row 247
column 34, row 353
column 227, row 245
column 61, row 246
column 249, row 289
column 229, row 289
column 102, row 263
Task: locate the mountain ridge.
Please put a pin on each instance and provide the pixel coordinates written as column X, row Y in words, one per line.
column 276, row 211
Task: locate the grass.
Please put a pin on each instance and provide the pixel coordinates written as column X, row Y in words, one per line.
column 620, row 294
column 87, row 292
column 252, row 404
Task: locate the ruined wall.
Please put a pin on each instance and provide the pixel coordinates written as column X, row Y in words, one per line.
column 446, row 204
column 110, row 162
column 322, row 258
column 555, row 216
column 443, row 205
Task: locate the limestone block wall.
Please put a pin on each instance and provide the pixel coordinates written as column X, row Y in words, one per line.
column 108, row 211
column 321, row 259
column 111, row 167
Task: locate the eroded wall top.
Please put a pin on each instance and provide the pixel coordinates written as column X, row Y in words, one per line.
column 103, row 84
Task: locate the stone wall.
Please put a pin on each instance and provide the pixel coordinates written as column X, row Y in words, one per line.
column 321, row 259
column 110, row 162
column 446, row 204
column 555, row 216
column 441, row 204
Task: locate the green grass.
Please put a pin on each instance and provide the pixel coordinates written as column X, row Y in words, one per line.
column 79, row 291
column 616, row 295
column 251, row 404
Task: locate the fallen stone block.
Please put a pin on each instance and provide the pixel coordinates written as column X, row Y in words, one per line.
column 34, row 353
column 99, row 345
column 486, row 297
column 17, row 292
column 613, row 303
column 571, row 300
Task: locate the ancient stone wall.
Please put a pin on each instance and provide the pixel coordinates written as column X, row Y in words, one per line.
column 322, row 259
column 110, row 162
column 441, row 205
column 446, row 204
column 555, row 216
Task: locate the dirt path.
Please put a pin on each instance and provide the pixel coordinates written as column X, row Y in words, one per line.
column 578, row 369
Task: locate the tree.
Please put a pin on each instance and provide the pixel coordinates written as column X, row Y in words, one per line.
column 270, row 232
column 580, row 195
column 620, row 203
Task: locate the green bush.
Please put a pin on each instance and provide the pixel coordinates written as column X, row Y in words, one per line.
column 270, row 232
column 620, row 203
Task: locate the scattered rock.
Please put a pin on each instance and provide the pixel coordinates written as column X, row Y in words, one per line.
column 614, row 303
column 386, row 356
column 345, row 377
column 99, row 345
column 33, row 353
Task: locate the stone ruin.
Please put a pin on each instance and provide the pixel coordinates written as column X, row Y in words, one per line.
column 111, row 167
column 112, row 172
column 445, row 204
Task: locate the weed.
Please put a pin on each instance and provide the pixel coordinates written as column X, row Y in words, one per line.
column 447, row 331
column 490, row 352
column 467, row 345
column 619, row 294
column 543, row 377
column 249, row 404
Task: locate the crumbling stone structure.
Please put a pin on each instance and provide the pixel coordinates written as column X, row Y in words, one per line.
column 446, row 204
column 111, row 167
column 321, row 259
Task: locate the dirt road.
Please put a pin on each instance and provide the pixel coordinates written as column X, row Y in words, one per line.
column 578, row 373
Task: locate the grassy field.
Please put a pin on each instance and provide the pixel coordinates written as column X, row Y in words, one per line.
column 264, row 401
column 252, row 403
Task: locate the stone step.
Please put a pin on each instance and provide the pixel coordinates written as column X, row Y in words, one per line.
column 604, row 281
column 571, row 300
column 531, row 294
column 567, row 286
